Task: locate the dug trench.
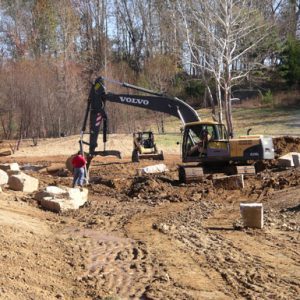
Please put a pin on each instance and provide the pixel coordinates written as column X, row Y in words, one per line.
column 151, row 237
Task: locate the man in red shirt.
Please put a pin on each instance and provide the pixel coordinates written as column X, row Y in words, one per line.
column 78, row 163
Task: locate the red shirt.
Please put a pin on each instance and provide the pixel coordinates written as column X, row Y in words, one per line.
column 78, row 161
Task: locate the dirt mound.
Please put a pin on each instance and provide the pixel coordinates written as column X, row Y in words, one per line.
column 279, row 181
column 153, row 237
column 286, row 144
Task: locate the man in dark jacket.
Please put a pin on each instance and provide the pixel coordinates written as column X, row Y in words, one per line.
column 78, row 163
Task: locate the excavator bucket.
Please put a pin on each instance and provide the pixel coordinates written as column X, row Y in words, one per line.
column 136, row 157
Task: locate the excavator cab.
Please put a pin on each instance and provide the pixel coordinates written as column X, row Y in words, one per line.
column 205, row 141
column 144, row 147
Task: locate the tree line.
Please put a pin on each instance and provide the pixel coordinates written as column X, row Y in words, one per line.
column 198, row 50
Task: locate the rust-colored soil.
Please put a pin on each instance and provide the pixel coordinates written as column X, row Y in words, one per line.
column 151, row 237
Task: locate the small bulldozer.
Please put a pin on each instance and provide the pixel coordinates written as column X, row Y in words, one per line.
column 144, row 147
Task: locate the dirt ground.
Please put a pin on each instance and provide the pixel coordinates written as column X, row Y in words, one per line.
column 151, row 237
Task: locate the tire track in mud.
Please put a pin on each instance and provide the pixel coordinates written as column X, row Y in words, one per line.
column 115, row 265
column 180, row 277
column 215, row 262
column 245, row 262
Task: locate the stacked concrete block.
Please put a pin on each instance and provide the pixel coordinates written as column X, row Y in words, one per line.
column 59, row 199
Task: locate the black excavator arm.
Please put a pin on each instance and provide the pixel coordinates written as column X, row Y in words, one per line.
column 154, row 101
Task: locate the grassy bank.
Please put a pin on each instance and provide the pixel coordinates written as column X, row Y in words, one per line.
column 263, row 120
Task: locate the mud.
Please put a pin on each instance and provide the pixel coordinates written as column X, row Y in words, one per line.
column 152, row 237
column 286, row 144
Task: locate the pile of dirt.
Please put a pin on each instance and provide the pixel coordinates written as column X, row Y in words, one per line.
column 286, row 144
column 280, row 180
column 152, row 188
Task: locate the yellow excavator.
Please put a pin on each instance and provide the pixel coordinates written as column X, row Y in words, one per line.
column 205, row 144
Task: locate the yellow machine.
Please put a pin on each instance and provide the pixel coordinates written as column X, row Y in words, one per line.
column 144, row 147
column 205, row 143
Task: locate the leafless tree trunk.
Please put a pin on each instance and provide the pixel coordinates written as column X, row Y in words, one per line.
column 229, row 31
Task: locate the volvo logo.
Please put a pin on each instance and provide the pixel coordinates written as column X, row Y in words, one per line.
column 134, row 101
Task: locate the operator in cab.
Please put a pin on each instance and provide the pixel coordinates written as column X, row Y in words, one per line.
column 201, row 146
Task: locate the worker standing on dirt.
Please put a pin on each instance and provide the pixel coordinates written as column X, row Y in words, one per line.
column 78, row 163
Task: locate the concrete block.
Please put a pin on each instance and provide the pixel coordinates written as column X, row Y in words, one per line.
column 80, row 196
column 3, row 177
column 52, row 192
column 59, row 199
column 23, row 182
column 51, row 204
column 296, row 160
column 252, row 215
column 291, row 159
column 234, row 182
column 13, row 172
column 11, row 167
column 159, row 168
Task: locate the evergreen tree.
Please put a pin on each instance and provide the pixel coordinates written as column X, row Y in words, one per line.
column 290, row 61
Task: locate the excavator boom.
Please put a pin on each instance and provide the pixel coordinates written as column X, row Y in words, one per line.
column 164, row 104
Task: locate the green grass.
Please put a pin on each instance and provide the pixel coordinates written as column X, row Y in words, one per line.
column 262, row 120
column 168, row 140
column 273, row 121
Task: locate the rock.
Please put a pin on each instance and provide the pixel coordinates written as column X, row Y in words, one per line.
column 59, row 296
column 165, row 277
column 5, row 152
column 29, row 167
column 10, row 167
column 13, row 172
column 234, row 182
column 52, row 192
column 59, row 199
column 55, row 168
column 164, row 228
column 62, row 173
column 252, row 214
column 159, row 168
column 3, row 177
column 23, row 182
column 291, row 159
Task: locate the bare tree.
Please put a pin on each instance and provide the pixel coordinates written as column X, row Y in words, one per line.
column 221, row 35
